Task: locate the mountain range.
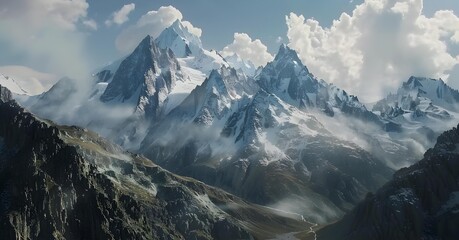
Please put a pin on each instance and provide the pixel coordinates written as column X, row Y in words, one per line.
column 64, row 182
column 276, row 137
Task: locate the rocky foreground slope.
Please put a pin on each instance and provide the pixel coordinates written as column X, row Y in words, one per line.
column 421, row 202
column 67, row 183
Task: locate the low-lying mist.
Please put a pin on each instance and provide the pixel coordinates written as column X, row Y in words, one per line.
column 177, row 135
column 397, row 148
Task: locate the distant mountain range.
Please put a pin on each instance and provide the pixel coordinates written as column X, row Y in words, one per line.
column 276, row 136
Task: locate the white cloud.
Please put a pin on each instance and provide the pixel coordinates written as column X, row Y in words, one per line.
column 63, row 13
column 32, row 81
column 248, row 49
column 121, row 16
column 91, row 24
column 194, row 30
column 47, row 33
column 152, row 23
column 378, row 46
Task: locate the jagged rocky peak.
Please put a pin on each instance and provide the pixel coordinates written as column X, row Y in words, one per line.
column 434, row 89
column 420, row 202
column 207, row 102
column 139, row 72
column 258, row 113
column 420, row 97
column 187, row 46
column 214, row 97
column 413, row 83
column 287, row 57
column 238, row 83
column 229, row 83
column 180, row 40
column 240, row 64
column 215, row 81
column 5, row 94
column 291, row 81
column 287, row 76
column 217, row 100
column 441, row 90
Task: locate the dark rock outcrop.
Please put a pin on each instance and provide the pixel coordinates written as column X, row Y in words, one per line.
column 421, row 202
column 5, row 94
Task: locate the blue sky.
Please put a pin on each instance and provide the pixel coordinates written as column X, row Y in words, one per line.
column 60, row 42
column 219, row 19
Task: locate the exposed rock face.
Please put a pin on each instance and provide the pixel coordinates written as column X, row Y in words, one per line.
column 5, row 95
column 421, row 202
column 420, row 97
column 205, row 103
column 245, row 66
column 68, row 183
column 144, row 78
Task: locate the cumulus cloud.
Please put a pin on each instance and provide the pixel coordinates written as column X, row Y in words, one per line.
column 63, row 13
column 152, row 23
column 379, row 45
column 121, row 16
column 252, row 50
column 46, row 33
column 194, row 30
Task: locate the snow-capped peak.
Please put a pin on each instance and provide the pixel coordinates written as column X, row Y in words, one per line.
column 226, row 82
column 185, row 33
column 291, row 81
column 286, row 74
column 420, row 97
column 238, row 63
column 5, row 94
column 180, row 40
column 145, row 44
column 12, row 85
column 430, row 88
column 139, row 72
column 215, row 83
column 412, row 83
column 286, row 57
column 435, row 90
